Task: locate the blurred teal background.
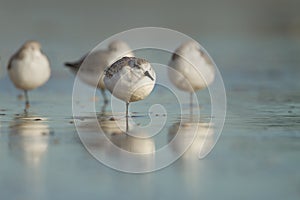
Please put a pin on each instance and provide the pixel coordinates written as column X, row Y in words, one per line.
column 68, row 29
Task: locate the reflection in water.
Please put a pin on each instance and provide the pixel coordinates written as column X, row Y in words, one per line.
column 193, row 138
column 135, row 141
column 28, row 139
column 133, row 144
column 107, row 140
column 200, row 137
column 28, row 142
column 111, row 125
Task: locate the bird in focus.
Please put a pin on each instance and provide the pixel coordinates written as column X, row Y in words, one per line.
column 130, row 79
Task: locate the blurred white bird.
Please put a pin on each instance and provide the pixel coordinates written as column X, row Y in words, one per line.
column 91, row 66
column 29, row 68
column 190, row 68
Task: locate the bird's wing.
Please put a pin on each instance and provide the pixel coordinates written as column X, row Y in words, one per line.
column 16, row 56
column 76, row 65
column 96, row 62
column 205, row 57
column 175, row 56
column 10, row 63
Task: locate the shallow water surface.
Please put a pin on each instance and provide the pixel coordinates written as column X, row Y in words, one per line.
column 256, row 157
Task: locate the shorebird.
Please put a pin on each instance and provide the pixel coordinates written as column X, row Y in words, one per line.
column 130, row 79
column 91, row 66
column 191, row 69
column 29, row 68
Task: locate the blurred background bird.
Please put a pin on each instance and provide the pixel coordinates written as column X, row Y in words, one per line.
column 29, row 68
column 190, row 68
column 91, row 66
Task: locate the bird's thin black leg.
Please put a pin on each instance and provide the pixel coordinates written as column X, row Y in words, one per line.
column 27, row 104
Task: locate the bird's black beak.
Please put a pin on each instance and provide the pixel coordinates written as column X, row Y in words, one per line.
column 147, row 74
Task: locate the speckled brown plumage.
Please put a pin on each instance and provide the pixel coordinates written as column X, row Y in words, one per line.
column 125, row 61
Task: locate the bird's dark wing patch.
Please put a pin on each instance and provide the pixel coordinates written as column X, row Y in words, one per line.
column 76, row 64
column 17, row 56
column 175, row 56
column 117, row 66
column 205, row 57
column 9, row 63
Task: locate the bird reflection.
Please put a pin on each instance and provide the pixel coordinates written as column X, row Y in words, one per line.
column 28, row 139
column 112, row 125
column 107, row 139
column 114, row 130
column 192, row 138
column 133, row 144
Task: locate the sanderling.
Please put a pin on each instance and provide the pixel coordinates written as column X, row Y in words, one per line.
column 29, row 68
column 92, row 71
column 130, row 79
column 191, row 68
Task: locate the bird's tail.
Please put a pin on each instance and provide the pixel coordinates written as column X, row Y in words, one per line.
column 70, row 64
column 75, row 65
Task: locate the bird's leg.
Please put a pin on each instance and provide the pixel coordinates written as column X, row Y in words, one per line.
column 27, row 104
column 104, row 96
column 127, row 105
column 191, row 104
column 103, row 109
